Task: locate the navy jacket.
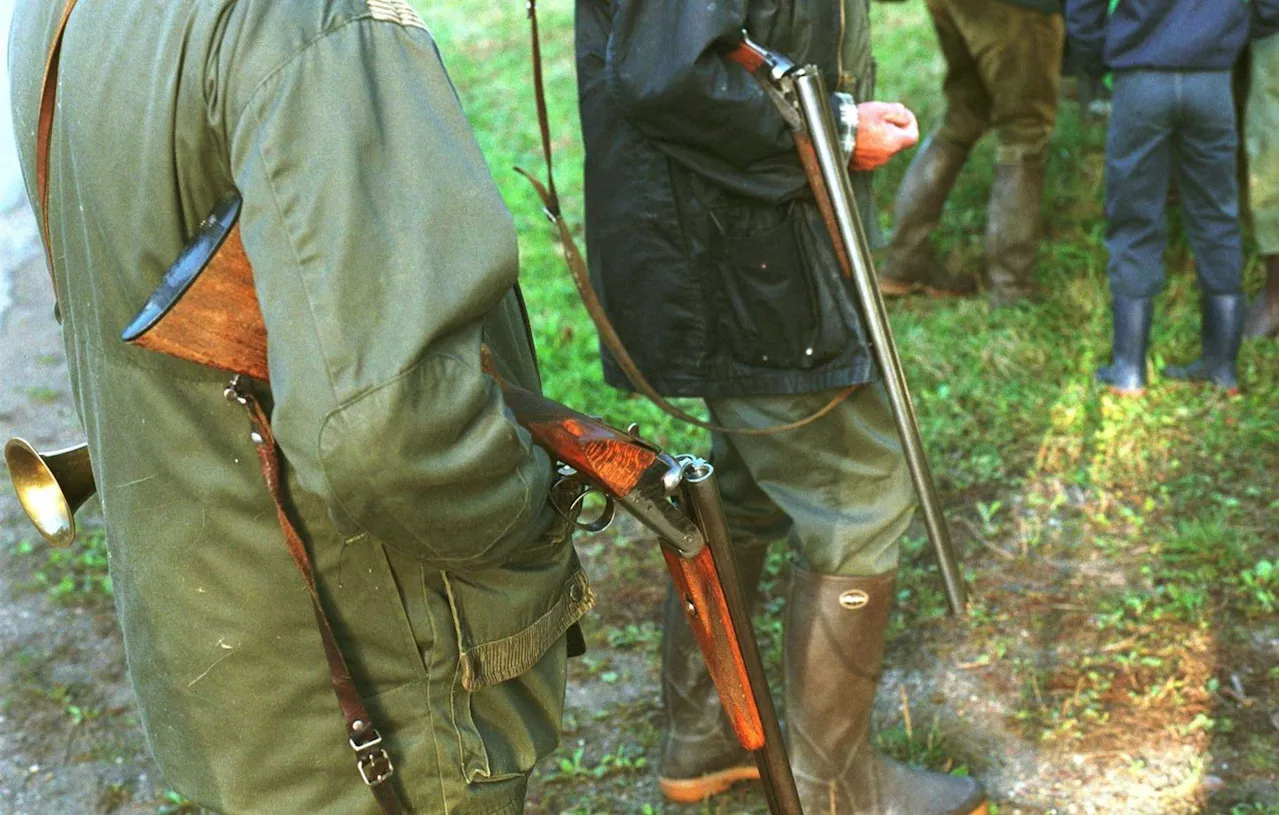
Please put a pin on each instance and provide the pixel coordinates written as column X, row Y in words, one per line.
column 1204, row 35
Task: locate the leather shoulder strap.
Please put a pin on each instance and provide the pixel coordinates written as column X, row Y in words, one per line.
column 44, row 132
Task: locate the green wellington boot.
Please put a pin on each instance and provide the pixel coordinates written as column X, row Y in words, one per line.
column 910, row 263
column 1013, row 232
column 834, row 643
column 701, row 756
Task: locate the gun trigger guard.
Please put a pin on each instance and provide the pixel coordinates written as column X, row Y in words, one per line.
column 571, row 513
column 603, row 521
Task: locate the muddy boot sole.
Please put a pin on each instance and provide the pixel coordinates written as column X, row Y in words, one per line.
column 1128, row 393
column 697, row 790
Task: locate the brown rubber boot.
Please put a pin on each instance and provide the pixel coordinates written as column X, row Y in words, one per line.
column 1013, row 232
column 1263, row 318
column 834, row 643
column 910, row 263
column 701, row 756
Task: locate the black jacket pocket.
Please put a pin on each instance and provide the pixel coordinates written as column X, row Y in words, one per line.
column 768, row 312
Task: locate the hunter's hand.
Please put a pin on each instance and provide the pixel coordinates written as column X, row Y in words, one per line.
column 884, row 128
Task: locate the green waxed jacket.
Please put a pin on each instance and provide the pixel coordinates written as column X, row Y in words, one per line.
column 383, row 258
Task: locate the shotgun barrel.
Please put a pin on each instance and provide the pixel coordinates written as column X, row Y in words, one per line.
column 802, row 91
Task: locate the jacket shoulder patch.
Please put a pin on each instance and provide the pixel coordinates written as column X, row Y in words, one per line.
column 395, row 11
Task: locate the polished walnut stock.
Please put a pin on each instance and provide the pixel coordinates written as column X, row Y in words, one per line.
column 609, row 458
column 698, row 584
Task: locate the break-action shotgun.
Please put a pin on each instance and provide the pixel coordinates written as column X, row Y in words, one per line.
column 206, row 311
column 800, row 95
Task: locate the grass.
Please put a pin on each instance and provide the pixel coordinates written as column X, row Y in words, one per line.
column 76, row 575
column 1122, row 552
column 1170, row 499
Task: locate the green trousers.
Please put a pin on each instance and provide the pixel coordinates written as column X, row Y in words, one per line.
column 1004, row 65
column 1261, row 126
column 838, row 489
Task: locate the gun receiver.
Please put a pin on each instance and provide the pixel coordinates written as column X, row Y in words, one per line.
column 637, row 475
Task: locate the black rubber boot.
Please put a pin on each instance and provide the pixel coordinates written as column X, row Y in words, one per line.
column 1013, row 232
column 701, row 756
column 1131, row 326
column 910, row 263
column 834, row 644
column 1263, row 319
column 1221, row 330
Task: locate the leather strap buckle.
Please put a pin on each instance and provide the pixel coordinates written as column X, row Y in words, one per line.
column 372, row 760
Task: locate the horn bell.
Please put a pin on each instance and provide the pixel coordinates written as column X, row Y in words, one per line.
column 51, row 487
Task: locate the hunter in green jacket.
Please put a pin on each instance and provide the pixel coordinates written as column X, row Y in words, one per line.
column 383, row 258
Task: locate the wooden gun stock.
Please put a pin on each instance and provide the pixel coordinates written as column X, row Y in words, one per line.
column 609, row 458
column 698, row 583
column 754, row 57
column 206, row 308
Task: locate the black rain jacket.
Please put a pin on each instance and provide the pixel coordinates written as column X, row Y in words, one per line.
column 703, row 239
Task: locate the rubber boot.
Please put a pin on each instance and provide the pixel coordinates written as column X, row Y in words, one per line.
column 1013, row 232
column 701, row 756
column 835, row 632
column 910, row 262
column 1131, row 326
column 1263, row 318
column 1221, row 330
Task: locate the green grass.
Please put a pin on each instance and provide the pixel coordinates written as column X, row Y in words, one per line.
column 1153, row 521
column 1174, row 493
column 76, row 575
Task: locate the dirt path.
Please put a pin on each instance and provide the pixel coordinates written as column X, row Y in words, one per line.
column 1012, row 694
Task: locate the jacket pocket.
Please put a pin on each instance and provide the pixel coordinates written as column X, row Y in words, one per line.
column 768, row 310
column 508, row 694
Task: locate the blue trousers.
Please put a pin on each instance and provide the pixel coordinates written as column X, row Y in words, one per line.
column 1167, row 124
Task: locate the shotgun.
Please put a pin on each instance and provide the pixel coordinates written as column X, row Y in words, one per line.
column 801, row 97
column 206, row 311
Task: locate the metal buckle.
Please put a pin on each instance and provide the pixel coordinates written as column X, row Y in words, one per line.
column 373, row 762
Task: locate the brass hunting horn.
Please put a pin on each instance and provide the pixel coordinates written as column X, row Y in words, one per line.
column 51, row 487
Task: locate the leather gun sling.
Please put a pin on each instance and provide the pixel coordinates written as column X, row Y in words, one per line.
column 44, row 133
column 371, row 758
column 582, row 279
